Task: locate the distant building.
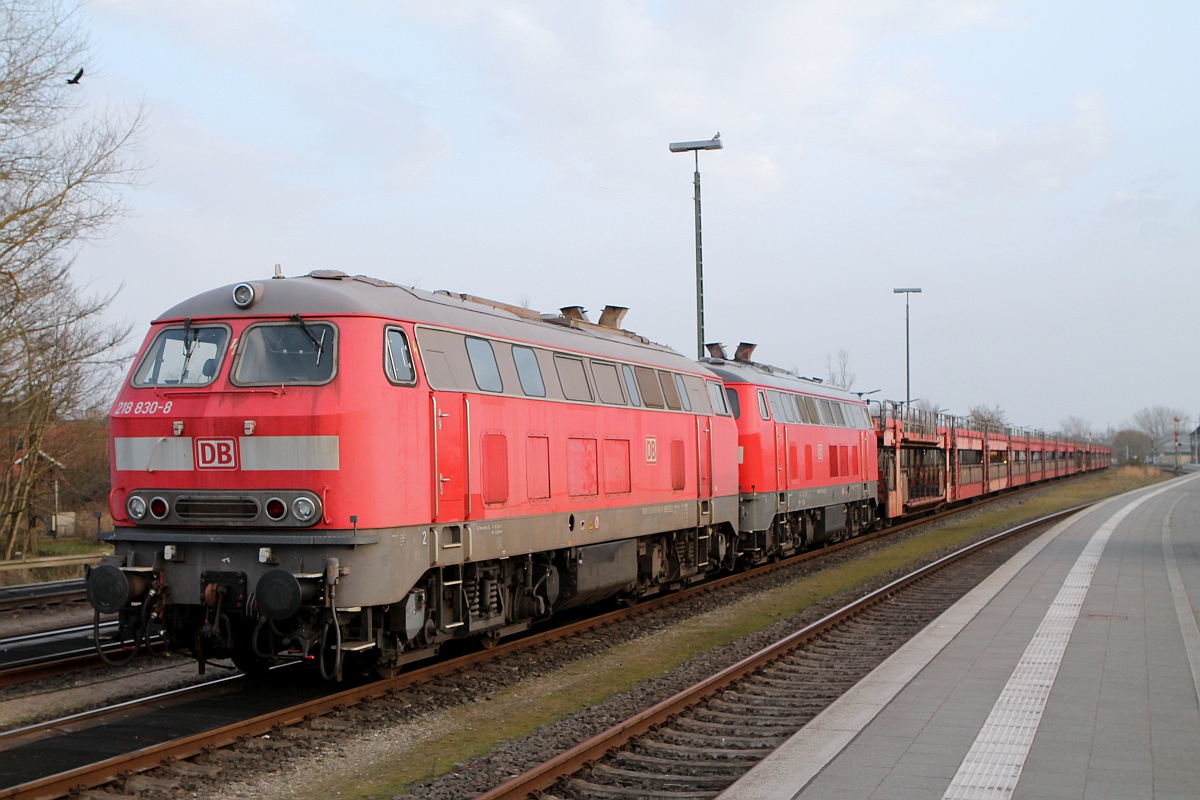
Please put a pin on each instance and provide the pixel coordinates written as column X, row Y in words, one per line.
column 1164, row 452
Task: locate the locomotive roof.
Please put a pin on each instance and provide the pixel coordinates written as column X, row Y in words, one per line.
column 331, row 293
column 774, row 377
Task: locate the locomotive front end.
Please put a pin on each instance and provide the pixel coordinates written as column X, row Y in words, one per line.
column 226, row 450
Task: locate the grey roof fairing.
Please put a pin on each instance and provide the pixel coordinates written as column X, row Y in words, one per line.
column 749, row 372
column 357, row 295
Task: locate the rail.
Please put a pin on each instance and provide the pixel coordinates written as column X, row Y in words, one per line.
column 588, row 753
column 50, row 561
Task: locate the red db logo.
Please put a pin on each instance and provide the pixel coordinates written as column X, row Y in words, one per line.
column 216, row 454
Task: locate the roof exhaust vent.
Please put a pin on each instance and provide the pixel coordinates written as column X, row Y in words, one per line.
column 744, row 351
column 611, row 316
column 717, row 350
column 575, row 313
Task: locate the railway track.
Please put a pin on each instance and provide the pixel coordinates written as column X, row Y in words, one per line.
column 38, row 751
column 39, row 595
column 698, row 742
column 48, row 653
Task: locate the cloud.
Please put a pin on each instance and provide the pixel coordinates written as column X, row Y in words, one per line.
column 916, row 127
column 1139, row 207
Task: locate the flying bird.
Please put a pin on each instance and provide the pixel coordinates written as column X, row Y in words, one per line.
column 75, row 81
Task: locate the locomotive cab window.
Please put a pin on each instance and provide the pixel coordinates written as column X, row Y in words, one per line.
column 295, row 352
column 716, row 396
column 776, row 407
column 397, row 358
column 186, row 355
column 735, row 402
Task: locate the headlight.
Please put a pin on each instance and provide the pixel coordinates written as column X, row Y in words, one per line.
column 243, row 295
column 304, row 509
column 136, row 506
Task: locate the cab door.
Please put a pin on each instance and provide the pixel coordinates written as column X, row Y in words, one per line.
column 451, row 456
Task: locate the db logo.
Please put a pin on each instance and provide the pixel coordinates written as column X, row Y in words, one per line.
column 216, row 454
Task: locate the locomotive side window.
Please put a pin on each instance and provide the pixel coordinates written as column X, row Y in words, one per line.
column 789, row 408
column 483, row 365
column 529, row 372
column 814, row 417
column 573, row 378
column 838, row 416
column 762, row 405
column 608, row 383
column 683, row 393
column 296, row 352
column 827, row 412
column 183, row 356
column 648, row 385
column 670, row 391
column 397, row 358
column 631, row 385
column 801, row 409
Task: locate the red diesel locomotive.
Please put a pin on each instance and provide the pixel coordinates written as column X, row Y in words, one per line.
column 333, row 467
column 330, row 465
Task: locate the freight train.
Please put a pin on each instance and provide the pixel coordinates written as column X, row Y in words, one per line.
column 343, row 471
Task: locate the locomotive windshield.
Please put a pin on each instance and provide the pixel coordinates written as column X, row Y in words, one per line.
column 296, row 352
column 189, row 355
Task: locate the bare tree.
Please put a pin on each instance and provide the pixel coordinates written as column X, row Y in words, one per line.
column 1078, row 428
column 60, row 178
column 1131, row 447
column 1158, row 422
column 989, row 415
column 839, row 373
column 925, row 404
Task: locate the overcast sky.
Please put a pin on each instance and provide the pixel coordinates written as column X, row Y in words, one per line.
column 1033, row 167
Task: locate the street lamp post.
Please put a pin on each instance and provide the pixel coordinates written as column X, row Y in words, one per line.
column 695, row 147
column 907, row 371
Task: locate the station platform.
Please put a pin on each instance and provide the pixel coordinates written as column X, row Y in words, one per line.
column 1071, row 672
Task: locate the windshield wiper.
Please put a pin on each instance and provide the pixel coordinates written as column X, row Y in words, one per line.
column 311, row 338
column 189, row 347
